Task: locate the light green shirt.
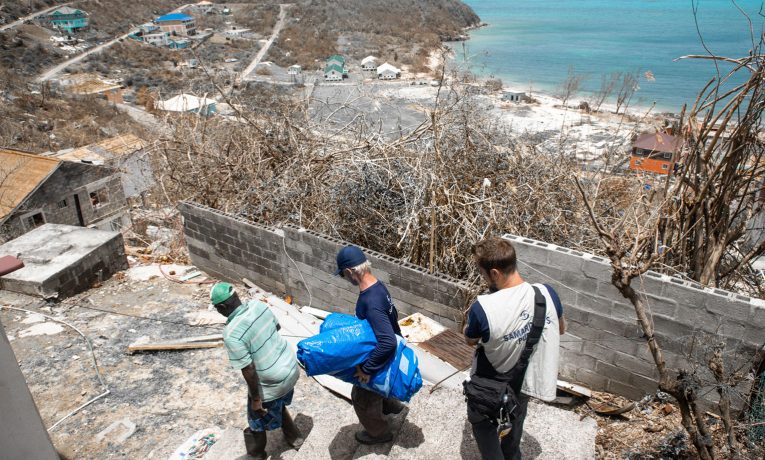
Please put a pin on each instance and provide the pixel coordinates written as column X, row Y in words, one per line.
column 250, row 336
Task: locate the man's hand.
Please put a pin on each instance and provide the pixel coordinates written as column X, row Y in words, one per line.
column 363, row 378
column 257, row 406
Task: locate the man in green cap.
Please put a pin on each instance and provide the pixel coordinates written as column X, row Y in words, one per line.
column 267, row 363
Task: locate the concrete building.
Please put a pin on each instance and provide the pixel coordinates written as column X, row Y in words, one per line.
column 295, row 70
column 63, row 260
column 179, row 44
column 126, row 154
column 35, row 190
column 513, row 96
column 177, row 24
column 189, row 104
column 67, row 19
column 388, row 72
column 655, row 153
column 159, row 38
column 369, row 64
column 237, row 33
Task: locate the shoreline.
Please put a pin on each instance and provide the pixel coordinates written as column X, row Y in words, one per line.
column 509, row 83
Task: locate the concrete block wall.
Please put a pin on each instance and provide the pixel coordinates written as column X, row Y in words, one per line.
column 298, row 261
column 603, row 348
column 95, row 267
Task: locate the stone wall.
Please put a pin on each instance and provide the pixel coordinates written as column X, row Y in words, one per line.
column 603, row 348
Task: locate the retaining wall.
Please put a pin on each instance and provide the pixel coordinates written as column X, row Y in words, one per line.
column 297, row 261
column 602, row 348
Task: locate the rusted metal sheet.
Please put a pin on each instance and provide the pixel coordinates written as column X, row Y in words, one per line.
column 450, row 347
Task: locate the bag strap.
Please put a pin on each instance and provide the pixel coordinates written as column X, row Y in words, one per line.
column 538, row 324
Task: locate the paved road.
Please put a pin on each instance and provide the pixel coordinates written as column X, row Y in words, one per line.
column 31, row 16
column 258, row 57
column 53, row 71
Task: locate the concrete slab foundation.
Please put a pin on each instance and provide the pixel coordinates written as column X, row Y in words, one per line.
column 63, row 260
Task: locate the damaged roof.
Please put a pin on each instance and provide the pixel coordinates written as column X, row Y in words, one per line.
column 21, row 173
column 104, row 151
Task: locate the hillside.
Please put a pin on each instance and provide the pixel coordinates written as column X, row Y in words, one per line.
column 397, row 29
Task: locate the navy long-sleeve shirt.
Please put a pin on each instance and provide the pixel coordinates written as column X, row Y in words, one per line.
column 376, row 306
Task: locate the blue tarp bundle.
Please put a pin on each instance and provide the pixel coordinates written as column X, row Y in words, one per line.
column 344, row 342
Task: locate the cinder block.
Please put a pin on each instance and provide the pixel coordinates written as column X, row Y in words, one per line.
column 700, row 318
column 727, row 306
column 626, row 390
column 591, row 379
column 635, row 365
column 613, row 373
column 600, row 271
column 597, row 305
column 580, row 360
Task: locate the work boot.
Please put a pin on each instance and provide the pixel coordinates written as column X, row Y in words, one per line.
column 365, row 438
column 291, row 432
column 255, row 442
column 392, row 406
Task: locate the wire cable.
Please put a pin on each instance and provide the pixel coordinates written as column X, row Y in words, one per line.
column 92, row 353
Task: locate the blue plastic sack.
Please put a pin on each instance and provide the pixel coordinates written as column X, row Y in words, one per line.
column 344, row 342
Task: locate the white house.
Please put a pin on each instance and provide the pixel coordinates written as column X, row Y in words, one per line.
column 369, row 63
column 188, row 103
column 157, row 38
column 236, row 33
column 388, row 72
column 513, row 96
column 295, row 70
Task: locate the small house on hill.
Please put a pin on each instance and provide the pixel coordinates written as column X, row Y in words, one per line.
column 388, row 72
column 67, row 19
column 177, row 24
column 513, row 96
column 36, row 190
column 655, row 153
column 369, row 64
column 127, row 154
column 333, row 72
column 158, row 38
column 189, row 104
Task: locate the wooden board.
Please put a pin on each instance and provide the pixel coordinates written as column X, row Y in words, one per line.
column 450, row 347
column 173, row 346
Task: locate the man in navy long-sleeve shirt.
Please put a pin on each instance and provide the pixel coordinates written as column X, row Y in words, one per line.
column 376, row 306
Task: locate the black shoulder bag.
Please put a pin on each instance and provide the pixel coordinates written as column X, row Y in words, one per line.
column 497, row 398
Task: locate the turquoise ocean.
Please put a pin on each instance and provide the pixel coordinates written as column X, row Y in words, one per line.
column 532, row 43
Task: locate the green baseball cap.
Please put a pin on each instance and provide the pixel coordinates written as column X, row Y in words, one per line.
column 221, row 292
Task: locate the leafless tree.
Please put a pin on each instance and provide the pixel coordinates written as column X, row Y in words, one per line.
column 693, row 222
column 605, row 90
column 570, row 86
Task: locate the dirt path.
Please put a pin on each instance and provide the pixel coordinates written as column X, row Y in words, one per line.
column 258, row 57
column 21, row 20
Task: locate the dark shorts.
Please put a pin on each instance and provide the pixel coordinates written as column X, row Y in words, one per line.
column 273, row 419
